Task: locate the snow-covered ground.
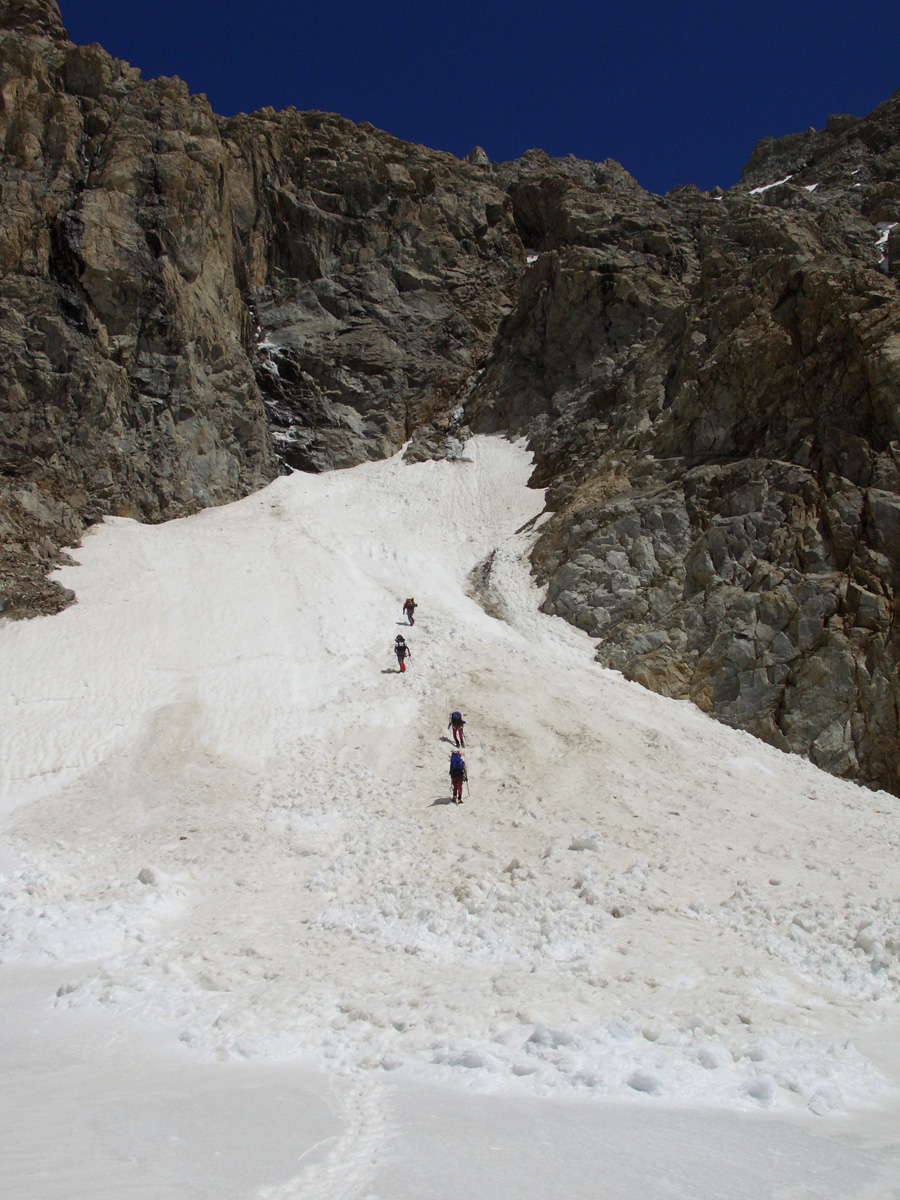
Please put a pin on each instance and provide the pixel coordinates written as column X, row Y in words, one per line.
column 250, row 950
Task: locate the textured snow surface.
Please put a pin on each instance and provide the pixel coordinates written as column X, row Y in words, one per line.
column 225, row 818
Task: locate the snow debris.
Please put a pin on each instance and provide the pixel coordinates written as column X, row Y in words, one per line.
column 589, row 840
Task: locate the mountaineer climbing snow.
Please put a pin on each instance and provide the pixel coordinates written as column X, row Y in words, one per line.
column 455, row 724
column 409, row 610
column 401, row 650
column 458, row 775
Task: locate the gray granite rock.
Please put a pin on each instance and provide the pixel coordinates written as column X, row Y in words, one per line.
column 711, row 386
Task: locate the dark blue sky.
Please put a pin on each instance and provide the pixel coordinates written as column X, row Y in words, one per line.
column 677, row 92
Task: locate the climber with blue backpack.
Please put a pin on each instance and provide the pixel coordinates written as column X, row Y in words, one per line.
column 455, row 724
column 458, row 775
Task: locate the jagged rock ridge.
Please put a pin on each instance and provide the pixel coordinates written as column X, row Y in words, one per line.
column 709, row 381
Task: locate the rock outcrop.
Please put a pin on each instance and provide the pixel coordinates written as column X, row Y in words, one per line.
column 37, row 18
column 125, row 382
column 712, row 387
column 710, row 381
column 187, row 303
column 377, row 271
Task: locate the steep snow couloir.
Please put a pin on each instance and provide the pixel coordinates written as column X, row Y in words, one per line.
column 226, row 811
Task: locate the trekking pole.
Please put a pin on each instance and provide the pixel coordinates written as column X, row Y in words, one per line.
column 468, row 793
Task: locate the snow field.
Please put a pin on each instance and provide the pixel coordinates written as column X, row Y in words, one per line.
column 230, row 813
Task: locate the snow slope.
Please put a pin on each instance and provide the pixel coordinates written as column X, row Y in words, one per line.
column 225, row 816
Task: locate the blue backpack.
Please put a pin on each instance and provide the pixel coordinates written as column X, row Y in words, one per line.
column 456, row 719
column 456, row 763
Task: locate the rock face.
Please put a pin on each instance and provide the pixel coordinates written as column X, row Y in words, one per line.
column 377, row 272
column 712, row 387
column 710, row 381
column 125, row 384
column 40, row 18
column 187, row 302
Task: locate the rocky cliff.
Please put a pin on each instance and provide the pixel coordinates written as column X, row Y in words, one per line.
column 188, row 302
column 712, row 387
column 710, row 382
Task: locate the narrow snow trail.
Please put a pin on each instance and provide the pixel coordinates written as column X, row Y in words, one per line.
column 225, row 813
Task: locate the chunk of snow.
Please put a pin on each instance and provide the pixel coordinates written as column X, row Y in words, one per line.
column 713, row 1056
column 589, row 840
